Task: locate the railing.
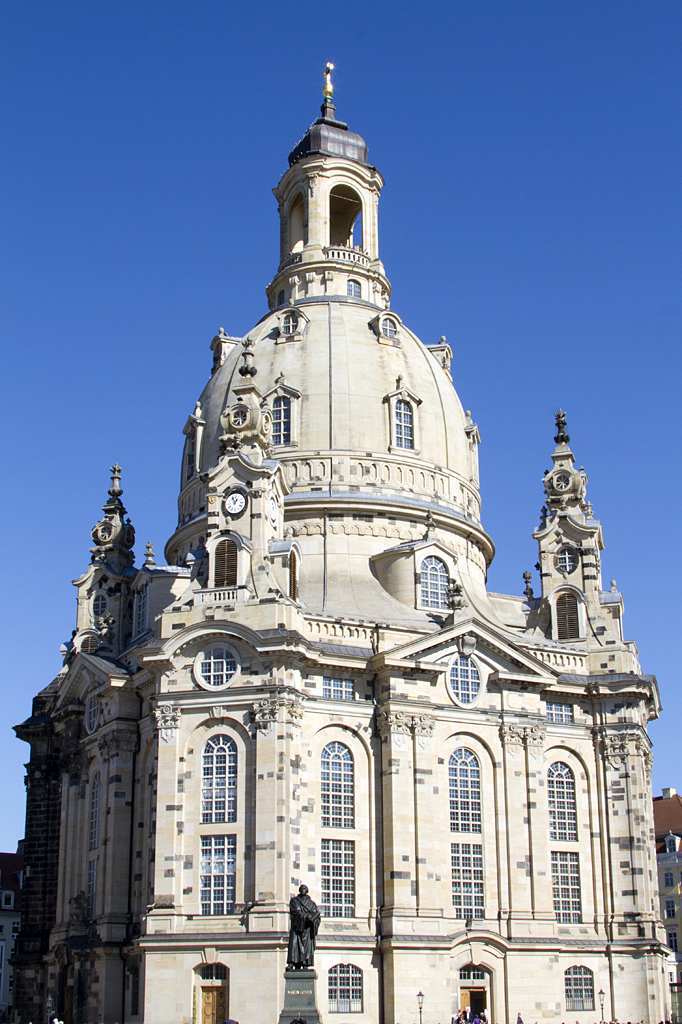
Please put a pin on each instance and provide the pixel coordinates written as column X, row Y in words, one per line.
column 288, row 261
column 215, row 596
column 347, row 255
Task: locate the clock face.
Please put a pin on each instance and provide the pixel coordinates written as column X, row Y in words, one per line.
column 273, row 509
column 562, row 482
column 234, row 504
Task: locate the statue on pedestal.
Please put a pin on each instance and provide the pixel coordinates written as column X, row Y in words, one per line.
column 305, row 920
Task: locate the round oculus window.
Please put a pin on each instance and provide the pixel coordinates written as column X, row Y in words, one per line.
column 567, row 560
column 465, row 682
column 238, row 417
column 99, row 605
column 562, row 481
column 216, row 667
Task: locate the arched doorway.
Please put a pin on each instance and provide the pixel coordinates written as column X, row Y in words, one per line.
column 475, row 990
column 214, row 982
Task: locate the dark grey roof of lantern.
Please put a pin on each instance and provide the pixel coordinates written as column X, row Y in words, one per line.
column 330, row 137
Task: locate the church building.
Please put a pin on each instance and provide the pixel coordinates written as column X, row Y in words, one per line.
column 314, row 686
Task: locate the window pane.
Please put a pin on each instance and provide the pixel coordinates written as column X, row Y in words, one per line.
column 338, row 878
column 467, row 880
column 219, row 780
column 465, row 792
column 566, row 888
column 404, row 426
column 434, row 583
column 464, row 680
column 561, row 801
column 337, row 787
column 218, row 874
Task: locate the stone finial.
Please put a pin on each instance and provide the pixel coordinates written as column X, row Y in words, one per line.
column 115, row 491
column 247, row 369
column 149, row 562
column 528, row 576
column 198, row 411
column 561, row 436
column 613, row 586
column 544, row 512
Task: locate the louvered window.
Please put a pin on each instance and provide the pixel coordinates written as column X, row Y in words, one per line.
column 567, row 617
column 225, row 569
column 293, row 577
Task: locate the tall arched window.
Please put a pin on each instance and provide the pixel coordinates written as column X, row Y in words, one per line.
column 404, row 424
column 345, row 989
column 281, row 421
column 345, row 208
column 219, row 783
column 465, row 792
column 561, row 802
column 293, row 576
column 225, row 564
column 337, row 787
column 579, row 987
column 434, row 583
column 567, row 622
column 95, row 789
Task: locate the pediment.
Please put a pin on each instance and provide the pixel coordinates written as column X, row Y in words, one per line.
column 86, row 673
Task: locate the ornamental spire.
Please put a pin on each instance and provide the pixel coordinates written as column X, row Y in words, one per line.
column 561, row 436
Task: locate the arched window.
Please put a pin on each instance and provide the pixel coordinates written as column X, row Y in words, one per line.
column 99, row 605
column 337, row 787
column 345, row 989
column 225, row 564
column 213, row 972
column 345, row 208
column 434, row 583
column 388, row 327
column 89, row 644
column 579, row 986
column 281, row 421
column 290, row 324
column 190, row 455
column 465, row 792
column 404, row 425
column 296, row 224
column 293, row 576
column 219, row 783
column 567, row 623
column 561, row 802
column 95, row 789
column 353, row 289
column 464, row 680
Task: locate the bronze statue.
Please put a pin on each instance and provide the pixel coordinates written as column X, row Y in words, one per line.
column 305, row 920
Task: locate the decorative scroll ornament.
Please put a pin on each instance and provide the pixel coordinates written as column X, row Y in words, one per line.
column 512, row 737
column 265, row 713
column 167, row 720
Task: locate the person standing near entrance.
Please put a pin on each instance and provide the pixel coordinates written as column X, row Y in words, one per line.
column 519, row 1019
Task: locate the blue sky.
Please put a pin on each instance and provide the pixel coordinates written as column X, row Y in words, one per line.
column 532, row 214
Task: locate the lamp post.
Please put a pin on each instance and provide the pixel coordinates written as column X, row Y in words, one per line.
column 420, row 1003
column 602, row 995
column 49, row 1007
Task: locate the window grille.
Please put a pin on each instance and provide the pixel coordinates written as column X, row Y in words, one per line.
column 404, row 425
column 345, row 989
column 290, row 324
column 464, row 680
column 293, row 576
column 434, row 583
column 99, row 605
column 337, row 787
column 579, row 984
column 388, row 328
column 95, row 789
column 467, row 881
column 338, row 689
column 563, row 825
column 670, row 909
column 225, row 564
column 567, row 560
column 219, row 781
column 281, row 421
column 354, row 290
column 338, row 878
column 562, row 713
column 471, row 974
column 213, row 972
column 218, row 874
column 91, row 891
column 567, row 617
column 566, row 888
column 465, row 792
column 218, row 666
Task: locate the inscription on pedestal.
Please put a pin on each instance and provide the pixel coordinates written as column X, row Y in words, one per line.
column 299, row 997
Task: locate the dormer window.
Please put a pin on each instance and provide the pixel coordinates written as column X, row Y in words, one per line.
column 671, row 843
column 290, row 324
column 434, row 583
column 353, row 289
column 281, row 421
column 389, row 327
column 404, row 425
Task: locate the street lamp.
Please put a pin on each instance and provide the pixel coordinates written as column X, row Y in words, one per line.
column 420, row 1003
column 602, row 996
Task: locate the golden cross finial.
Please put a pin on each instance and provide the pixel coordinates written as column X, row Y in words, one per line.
column 328, row 90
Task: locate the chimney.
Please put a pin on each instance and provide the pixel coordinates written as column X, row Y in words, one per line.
column 668, row 794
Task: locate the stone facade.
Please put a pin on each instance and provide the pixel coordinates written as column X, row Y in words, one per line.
column 318, row 688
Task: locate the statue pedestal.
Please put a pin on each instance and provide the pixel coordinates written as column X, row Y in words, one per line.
column 299, row 997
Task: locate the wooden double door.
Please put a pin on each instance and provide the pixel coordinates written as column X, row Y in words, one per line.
column 214, row 1004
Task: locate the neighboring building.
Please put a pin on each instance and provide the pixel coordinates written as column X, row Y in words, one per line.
column 668, row 828
column 11, row 872
column 319, row 688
